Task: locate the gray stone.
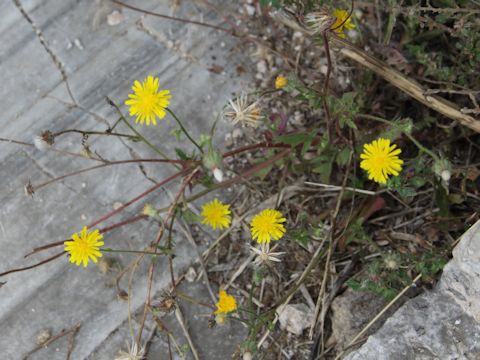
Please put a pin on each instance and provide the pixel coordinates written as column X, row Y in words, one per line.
column 439, row 324
column 351, row 311
column 295, row 318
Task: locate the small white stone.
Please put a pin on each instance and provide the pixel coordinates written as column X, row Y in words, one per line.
column 250, row 10
column 78, row 44
column 190, row 275
column 262, row 67
column 117, row 205
column 237, row 134
column 115, row 18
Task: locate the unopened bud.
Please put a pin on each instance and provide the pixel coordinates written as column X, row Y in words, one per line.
column 150, row 211
column 446, row 175
column 443, row 169
column 247, row 355
column 218, row 174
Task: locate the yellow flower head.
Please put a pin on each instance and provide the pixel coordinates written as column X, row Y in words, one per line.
column 267, row 225
column 84, row 246
column 280, row 82
column 380, row 160
column 226, row 303
column 146, row 102
column 216, row 214
column 343, row 21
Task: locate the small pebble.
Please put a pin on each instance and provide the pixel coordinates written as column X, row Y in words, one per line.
column 117, row 205
column 191, row 274
column 115, row 18
column 42, row 336
column 78, row 44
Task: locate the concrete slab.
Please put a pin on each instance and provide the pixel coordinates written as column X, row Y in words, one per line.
column 100, row 60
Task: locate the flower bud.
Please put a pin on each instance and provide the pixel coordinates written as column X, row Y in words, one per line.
column 218, row 174
column 212, row 160
column 443, row 169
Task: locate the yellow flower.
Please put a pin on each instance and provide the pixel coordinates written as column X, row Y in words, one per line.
column 267, row 225
column 343, row 21
column 226, row 303
column 216, row 214
column 380, row 160
column 84, row 246
column 146, row 102
column 280, row 82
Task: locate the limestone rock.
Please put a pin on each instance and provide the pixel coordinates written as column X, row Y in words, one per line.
column 295, row 318
column 439, row 324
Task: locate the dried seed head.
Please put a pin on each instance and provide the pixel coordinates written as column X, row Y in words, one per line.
column 44, row 140
column 319, row 20
column 29, row 190
column 135, row 352
column 243, row 112
column 392, row 261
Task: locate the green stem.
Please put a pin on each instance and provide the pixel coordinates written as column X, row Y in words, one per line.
column 415, row 141
column 184, row 130
column 140, row 136
column 107, row 250
column 85, row 133
column 116, row 123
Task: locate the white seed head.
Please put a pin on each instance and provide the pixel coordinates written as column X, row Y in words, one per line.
column 40, row 143
column 319, row 21
column 240, row 111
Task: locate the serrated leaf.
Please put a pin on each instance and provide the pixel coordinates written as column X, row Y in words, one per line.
column 343, row 156
column 294, row 139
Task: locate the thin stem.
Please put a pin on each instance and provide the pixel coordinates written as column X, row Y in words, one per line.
column 111, row 163
column 102, row 231
column 140, row 136
column 115, row 125
column 109, row 250
column 184, row 130
column 93, row 133
column 34, row 265
column 415, row 141
column 186, row 21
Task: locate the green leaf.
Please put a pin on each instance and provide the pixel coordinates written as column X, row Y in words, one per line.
column 295, row 139
column 324, row 170
column 343, row 156
column 181, row 154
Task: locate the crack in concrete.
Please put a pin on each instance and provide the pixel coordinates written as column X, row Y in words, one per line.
column 169, row 44
column 56, row 61
column 51, row 175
